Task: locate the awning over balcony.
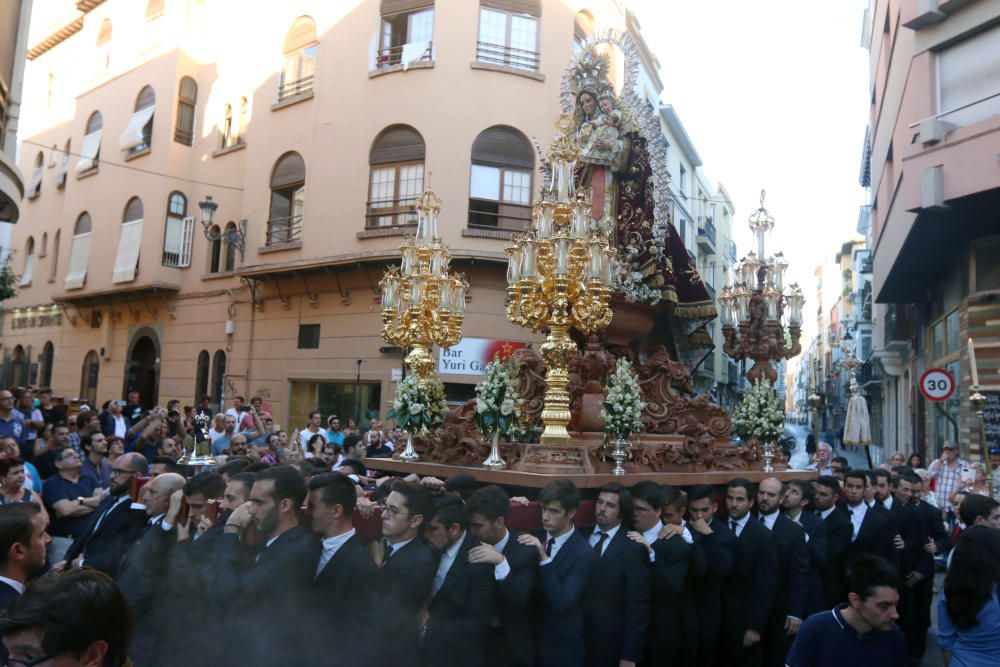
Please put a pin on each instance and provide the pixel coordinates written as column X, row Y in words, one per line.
column 120, row 293
column 332, row 263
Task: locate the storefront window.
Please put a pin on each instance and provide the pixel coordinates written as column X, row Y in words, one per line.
column 334, row 398
column 952, row 326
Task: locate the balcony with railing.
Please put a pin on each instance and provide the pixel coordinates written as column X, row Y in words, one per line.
column 284, row 230
column 730, row 253
column 488, row 214
column 706, row 235
column 292, row 89
column 498, row 54
column 899, row 325
column 389, row 213
column 395, row 55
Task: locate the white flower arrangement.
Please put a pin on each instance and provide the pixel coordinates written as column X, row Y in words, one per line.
column 636, row 291
column 498, row 405
column 622, row 408
column 759, row 416
column 419, row 406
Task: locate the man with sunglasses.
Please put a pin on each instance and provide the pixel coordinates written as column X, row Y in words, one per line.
column 117, row 523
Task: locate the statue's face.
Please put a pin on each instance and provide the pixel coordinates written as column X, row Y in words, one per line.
column 588, row 104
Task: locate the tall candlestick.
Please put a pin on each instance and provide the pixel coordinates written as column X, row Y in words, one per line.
column 972, row 363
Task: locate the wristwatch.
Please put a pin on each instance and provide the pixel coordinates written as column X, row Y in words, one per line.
column 79, row 500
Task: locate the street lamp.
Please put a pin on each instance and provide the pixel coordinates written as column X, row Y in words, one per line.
column 234, row 237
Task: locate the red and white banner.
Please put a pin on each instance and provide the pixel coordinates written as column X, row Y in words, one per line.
column 471, row 355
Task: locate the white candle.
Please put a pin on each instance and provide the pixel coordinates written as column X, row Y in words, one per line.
column 972, row 363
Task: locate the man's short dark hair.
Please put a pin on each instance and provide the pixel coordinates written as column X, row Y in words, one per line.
column 450, row 510
column 830, row 482
column 9, row 462
column 246, row 480
column 649, row 492
column 806, row 489
column 561, row 491
column 743, row 483
column 886, row 475
column 463, row 485
column 856, row 474
column 974, row 506
column 700, row 492
column 208, row 484
column 840, row 460
column 16, row 526
column 233, row 466
column 355, row 466
column 418, row 499
column 624, row 500
column 85, row 443
column 911, row 477
column 60, row 452
column 872, row 477
column 71, row 611
column 335, row 489
column 351, row 441
column 869, row 572
column 288, row 484
column 169, row 462
column 673, row 497
column 490, row 501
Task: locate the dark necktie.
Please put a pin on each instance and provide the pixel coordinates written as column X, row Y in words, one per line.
column 763, row 520
column 600, row 543
column 388, row 552
column 548, row 546
column 732, row 525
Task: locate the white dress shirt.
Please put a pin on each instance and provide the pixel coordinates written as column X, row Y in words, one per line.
column 16, row 585
column 556, row 546
column 798, row 519
column 595, row 537
column 330, row 547
column 653, row 533
column 827, row 512
column 737, row 525
column 502, row 569
column 857, row 518
column 397, row 546
column 121, row 428
column 769, row 519
column 447, row 560
column 887, row 503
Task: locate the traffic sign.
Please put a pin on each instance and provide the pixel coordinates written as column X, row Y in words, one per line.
column 937, row 384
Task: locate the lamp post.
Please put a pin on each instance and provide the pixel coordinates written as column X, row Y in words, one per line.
column 423, row 304
column 753, row 308
column 234, row 236
column 559, row 275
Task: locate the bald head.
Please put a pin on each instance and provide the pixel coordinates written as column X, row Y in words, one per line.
column 134, row 462
column 769, row 493
column 159, row 490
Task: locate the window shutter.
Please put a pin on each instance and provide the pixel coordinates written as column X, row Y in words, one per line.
column 503, row 147
column 390, row 7
column 397, row 144
column 88, row 153
column 291, row 169
column 128, row 252
column 187, row 239
column 533, row 7
column 78, row 255
column 132, row 136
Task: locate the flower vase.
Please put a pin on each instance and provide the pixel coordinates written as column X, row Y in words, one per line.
column 494, row 460
column 409, row 454
column 768, row 457
column 619, row 454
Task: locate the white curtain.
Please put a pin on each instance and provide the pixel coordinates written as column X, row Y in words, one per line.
column 128, row 252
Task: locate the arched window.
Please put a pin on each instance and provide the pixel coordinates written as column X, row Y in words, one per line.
column 215, row 250
column 79, row 253
column 582, row 30
column 508, row 33
column 227, row 128
column 178, row 234
column 29, row 262
column 63, row 167
column 230, row 250
column 129, row 242
column 288, row 193
column 407, row 32
column 201, row 376
column 45, row 365
column 397, row 176
column 104, row 45
column 91, row 150
column 138, row 135
column 300, row 59
column 187, row 98
column 154, row 9
column 44, row 249
column 218, row 389
column 35, row 188
column 500, row 184
column 88, row 378
column 18, row 369
column 241, row 138
column 54, row 259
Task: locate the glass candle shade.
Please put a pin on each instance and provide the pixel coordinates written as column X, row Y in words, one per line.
column 528, row 261
column 389, row 286
column 546, row 212
column 445, row 300
column 513, row 265
column 562, row 247
column 459, row 289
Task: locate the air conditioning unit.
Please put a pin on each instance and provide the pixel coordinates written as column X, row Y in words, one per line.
column 933, row 130
column 927, row 13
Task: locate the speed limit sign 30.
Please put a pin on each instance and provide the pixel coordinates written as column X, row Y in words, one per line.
column 937, row 384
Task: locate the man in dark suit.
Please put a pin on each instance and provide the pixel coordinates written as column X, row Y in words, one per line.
column 140, row 574
column 22, row 548
column 515, row 569
column 711, row 562
column 407, row 573
column 748, row 591
column 798, row 503
column 792, row 573
column 872, row 530
column 838, row 539
column 566, row 561
column 932, row 540
column 460, row 611
column 115, row 525
column 265, row 591
column 343, row 577
column 616, row 603
column 671, row 605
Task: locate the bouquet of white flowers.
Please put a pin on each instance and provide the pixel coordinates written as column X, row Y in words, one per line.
column 622, row 408
column 498, row 405
column 759, row 415
column 419, row 406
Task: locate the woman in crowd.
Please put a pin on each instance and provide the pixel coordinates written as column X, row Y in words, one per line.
column 930, row 497
column 314, row 447
column 12, row 487
column 352, row 427
column 116, row 447
column 915, row 461
column 896, row 459
column 968, row 610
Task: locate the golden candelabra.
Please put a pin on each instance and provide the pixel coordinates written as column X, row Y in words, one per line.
column 559, row 275
column 423, row 304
